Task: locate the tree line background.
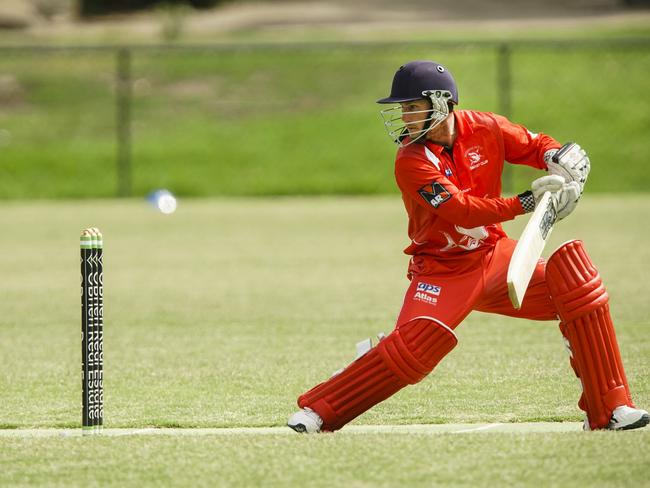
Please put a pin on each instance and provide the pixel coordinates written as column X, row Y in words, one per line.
column 89, row 8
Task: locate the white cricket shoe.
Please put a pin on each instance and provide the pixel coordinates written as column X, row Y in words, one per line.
column 305, row 421
column 626, row 418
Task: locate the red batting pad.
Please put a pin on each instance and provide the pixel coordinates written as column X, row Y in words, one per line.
column 404, row 357
column 583, row 307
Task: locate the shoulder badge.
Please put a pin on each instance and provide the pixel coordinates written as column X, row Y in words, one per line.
column 435, row 194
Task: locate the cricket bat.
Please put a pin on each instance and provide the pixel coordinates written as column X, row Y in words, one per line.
column 529, row 248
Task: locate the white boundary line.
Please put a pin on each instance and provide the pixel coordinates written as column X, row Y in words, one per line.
column 427, row 429
column 476, row 429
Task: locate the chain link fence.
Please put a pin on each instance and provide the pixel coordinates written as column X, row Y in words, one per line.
column 294, row 119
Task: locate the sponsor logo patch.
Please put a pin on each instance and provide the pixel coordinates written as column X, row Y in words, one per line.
column 435, row 194
column 427, row 293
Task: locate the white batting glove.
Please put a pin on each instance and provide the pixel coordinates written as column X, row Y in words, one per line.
column 565, row 195
column 552, row 183
column 567, row 199
column 530, row 199
column 571, row 162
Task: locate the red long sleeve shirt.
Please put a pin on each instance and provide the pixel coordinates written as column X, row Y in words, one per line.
column 453, row 200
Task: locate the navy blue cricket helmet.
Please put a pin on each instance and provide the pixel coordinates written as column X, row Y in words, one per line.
column 413, row 80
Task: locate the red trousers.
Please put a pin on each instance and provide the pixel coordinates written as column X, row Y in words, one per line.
column 447, row 290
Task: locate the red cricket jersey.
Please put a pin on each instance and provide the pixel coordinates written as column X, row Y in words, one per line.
column 453, row 199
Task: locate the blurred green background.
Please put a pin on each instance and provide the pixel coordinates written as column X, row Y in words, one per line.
column 262, row 117
column 221, row 314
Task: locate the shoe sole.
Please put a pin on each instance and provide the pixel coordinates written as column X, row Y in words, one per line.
column 642, row 422
column 300, row 428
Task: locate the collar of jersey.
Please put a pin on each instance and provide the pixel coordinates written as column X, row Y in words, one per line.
column 463, row 129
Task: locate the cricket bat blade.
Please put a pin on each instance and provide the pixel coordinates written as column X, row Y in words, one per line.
column 529, row 248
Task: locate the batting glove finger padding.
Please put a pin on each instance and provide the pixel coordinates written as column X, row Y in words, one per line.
column 567, row 199
column 552, row 183
column 570, row 162
column 529, row 199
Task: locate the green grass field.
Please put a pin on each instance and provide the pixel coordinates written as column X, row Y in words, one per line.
column 221, row 314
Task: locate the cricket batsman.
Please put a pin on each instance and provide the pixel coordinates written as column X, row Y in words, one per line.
column 448, row 168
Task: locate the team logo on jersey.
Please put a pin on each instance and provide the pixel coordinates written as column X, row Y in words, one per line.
column 475, row 157
column 469, row 240
column 427, row 293
column 435, row 194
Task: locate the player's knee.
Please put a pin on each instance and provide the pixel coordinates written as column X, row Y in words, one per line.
column 415, row 348
column 574, row 282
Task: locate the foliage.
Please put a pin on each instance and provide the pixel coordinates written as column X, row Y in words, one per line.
column 89, row 8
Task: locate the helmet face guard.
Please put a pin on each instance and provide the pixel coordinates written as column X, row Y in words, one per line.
column 418, row 80
column 396, row 127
